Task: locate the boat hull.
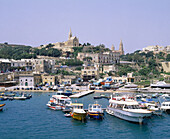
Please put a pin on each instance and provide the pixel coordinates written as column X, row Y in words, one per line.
column 95, row 115
column 1, row 105
column 78, row 116
column 128, row 116
column 20, row 98
column 56, row 107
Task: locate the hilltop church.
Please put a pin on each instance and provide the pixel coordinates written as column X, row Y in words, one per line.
column 72, row 41
column 121, row 51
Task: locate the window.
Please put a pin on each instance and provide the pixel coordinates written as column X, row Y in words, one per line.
column 25, row 79
column 31, row 80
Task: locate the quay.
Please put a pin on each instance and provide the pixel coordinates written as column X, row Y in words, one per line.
column 81, row 94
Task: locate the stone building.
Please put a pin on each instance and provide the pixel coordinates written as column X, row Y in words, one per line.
column 68, row 45
column 5, row 65
column 121, row 50
column 89, row 73
column 29, row 80
column 166, row 66
column 49, row 79
column 103, row 58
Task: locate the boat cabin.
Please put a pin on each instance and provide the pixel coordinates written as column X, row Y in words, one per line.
column 77, row 105
column 94, row 107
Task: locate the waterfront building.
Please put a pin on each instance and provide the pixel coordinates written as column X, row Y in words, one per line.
column 49, row 79
column 89, row 73
column 29, row 80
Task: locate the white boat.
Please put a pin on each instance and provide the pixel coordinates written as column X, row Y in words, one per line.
column 155, row 109
column 165, row 106
column 59, row 102
column 161, row 85
column 127, row 109
column 20, row 97
column 95, row 111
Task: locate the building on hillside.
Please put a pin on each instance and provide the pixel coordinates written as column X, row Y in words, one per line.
column 49, row 79
column 5, row 65
column 66, row 46
column 89, row 73
column 39, row 65
column 121, row 50
column 166, row 66
column 102, row 58
column 109, row 68
column 155, row 49
column 18, row 63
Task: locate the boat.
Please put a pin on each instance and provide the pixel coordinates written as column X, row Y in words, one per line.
column 97, row 97
column 78, row 112
column 127, row 109
column 3, row 98
column 1, row 106
column 59, row 102
column 95, row 111
column 67, row 115
column 131, row 85
column 165, row 106
column 155, row 109
column 160, row 84
column 20, row 97
column 68, row 92
column 108, row 80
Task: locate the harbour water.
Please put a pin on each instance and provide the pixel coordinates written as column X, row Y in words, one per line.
column 32, row 119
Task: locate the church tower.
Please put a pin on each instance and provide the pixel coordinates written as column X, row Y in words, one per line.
column 121, row 48
column 70, row 34
column 113, row 48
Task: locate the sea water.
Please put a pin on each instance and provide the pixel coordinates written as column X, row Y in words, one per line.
column 32, row 119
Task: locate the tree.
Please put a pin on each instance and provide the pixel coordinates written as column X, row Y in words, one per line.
column 168, row 57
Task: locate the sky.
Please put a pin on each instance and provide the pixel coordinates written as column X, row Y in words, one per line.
column 138, row 23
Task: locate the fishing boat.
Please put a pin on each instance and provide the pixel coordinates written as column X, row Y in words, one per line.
column 3, row 98
column 1, row 106
column 59, row 102
column 127, row 109
column 20, row 97
column 78, row 112
column 95, row 111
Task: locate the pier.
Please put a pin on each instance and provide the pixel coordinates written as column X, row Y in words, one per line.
column 81, row 94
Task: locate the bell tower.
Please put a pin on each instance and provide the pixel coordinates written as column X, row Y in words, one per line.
column 70, row 34
column 121, row 48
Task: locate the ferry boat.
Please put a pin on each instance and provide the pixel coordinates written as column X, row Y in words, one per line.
column 127, row 109
column 78, row 112
column 59, row 102
column 95, row 111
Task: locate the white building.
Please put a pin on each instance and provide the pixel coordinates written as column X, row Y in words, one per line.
column 26, row 80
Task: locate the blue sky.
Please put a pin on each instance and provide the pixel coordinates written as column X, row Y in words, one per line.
column 138, row 23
